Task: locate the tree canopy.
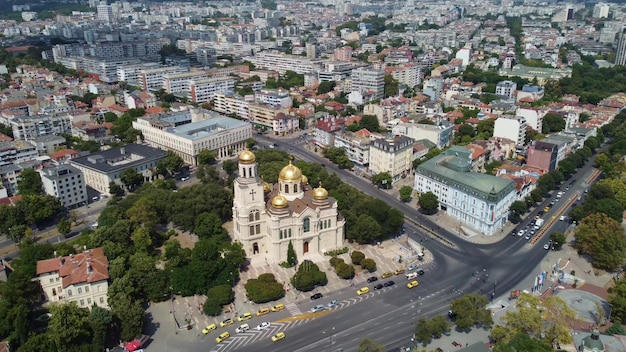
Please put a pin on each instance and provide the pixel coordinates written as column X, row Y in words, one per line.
column 603, row 239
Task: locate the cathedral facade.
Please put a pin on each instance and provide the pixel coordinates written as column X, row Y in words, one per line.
column 267, row 217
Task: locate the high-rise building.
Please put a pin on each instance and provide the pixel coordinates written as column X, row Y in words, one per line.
column 368, row 80
column 105, row 12
column 601, row 10
column 311, row 51
column 620, row 54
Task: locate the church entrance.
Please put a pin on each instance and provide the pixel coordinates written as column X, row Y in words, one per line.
column 305, row 247
column 255, row 248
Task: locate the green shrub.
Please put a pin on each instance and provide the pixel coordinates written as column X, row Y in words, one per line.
column 345, row 271
column 337, row 252
column 368, row 264
column 357, row 257
column 335, row 260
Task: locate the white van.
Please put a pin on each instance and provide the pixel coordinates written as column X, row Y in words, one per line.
column 411, row 276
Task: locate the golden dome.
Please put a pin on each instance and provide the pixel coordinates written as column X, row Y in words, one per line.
column 279, row 202
column 320, row 193
column 266, row 187
column 247, row 157
column 290, row 173
column 305, row 180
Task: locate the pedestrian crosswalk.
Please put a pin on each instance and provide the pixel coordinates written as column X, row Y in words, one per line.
column 239, row 340
column 293, row 309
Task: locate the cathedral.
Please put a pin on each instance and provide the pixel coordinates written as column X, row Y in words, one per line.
column 267, row 217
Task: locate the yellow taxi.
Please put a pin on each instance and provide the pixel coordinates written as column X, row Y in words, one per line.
column 386, row 275
column 412, row 284
column 223, row 336
column 226, row 322
column 209, row 328
column 278, row 337
column 363, row 291
column 262, row 311
column 244, row 317
column 278, row 307
column 399, row 272
column 546, row 209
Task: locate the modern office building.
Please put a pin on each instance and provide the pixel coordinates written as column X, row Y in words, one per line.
column 506, row 89
column 102, row 168
column 480, row 202
column 187, row 133
column 66, row 183
column 81, row 278
column 105, row 12
column 268, row 218
column 393, row 154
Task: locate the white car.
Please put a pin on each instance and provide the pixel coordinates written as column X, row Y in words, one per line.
column 317, row 308
column 546, row 246
column 562, row 218
column 332, row 304
column 264, row 325
column 243, row 328
column 520, row 233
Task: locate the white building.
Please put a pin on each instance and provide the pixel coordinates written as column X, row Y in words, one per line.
column 533, row 117
column 393, row 155
column 276, row 97
column 268, row 60
column 105, row 12
column 152, row 79
column 65, row 183
column 14, row 152
column 465, row 54
column 102, row 168
column 189, row 132
column 229, row 103
column 204, row 89
column 601, row 10
column 407, row 74
column 266, row 218
column 440, row 134
column 179, row 82
column 506, row 89
column 368, row 80
column 480, row 202
column 511, row 127
column 81, row 278
column 357, row 147
column 131, row 74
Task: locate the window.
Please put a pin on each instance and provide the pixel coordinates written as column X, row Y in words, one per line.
column 257, row 215
column 252, row 230
column 86, row 288
column 80, row 290
column 101, row 300
column 69, row 293
column 251, row 217
column 257, row 229
column 82, row 302
column 306, row 225
column 51, row 280
column 295, row 188
column 88, row 300
column 286, row 188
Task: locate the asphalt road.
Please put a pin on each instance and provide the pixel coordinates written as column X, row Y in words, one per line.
column 467, row 267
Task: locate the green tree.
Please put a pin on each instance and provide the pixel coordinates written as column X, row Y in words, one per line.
column 370, row 123
column 382, row 179
column 603, row 239
column 69, row 325
column 471, row 310
column 308, row 277
column 292, row 259
column 518, row 207
column 405, row 193
column 99, row 321
column 115, row 189
column 110, row 117
column 368, row 345
column 429, row 203
column 206, row 157
column 209, row 225
column 265, row 288
column 230, row 166
column 552, row 123
column 357, row 257
column 250, row 143
column 558, row 239
column 131, row 179
column 423, row 331
column 523, row 342
column 391, row 86
column 365, row 230
column 368, row 264
column 29, row 182
column 325, row 87
column 141, row 239
column 345, row 271
column 64, row 226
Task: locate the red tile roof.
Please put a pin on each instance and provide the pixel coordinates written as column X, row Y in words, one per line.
column 64, row 154
column 5, row 138
column 89, row 266
column 10, row 200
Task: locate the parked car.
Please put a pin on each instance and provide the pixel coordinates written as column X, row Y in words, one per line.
column 332, row 304
column 378, row 287
column 209, row 328
column 226, row 322
column 278, row 307
column 372, row 279
column 363, row 291
column 264, row 325
column 223, row 336
column 413, row 267
column 389, row 283
column 262, row 311
column 242, row 328
column 245, row 316
column 387, row 274
column 317, row 308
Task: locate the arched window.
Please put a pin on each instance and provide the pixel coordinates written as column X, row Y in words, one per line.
column 257, row 215
column 286, row 188
column 295, row 188
column 251, row 216
column 306, row 225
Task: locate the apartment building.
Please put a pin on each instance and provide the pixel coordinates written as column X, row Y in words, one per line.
column 271, row 60
column 31, row 127
column 533, row 117
column 187, row 133
column 393, row 154
column 47, row 144
column 511, row 127
column 264, row 115
column 14, row 152
column 81, row 278
column 152, row 78
column 277, row 97
column 179, row 82
column 356, row 145
column 480, row 202
column 104, row 69
column 440, row 134
column 131, row 74
column 204, row 89
column 542, row 156
column 408, row 74
column 506, row 89
column 325, row 130
column 66, row 183
column 102, row 168
column 231, row 103
column 368, row 80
